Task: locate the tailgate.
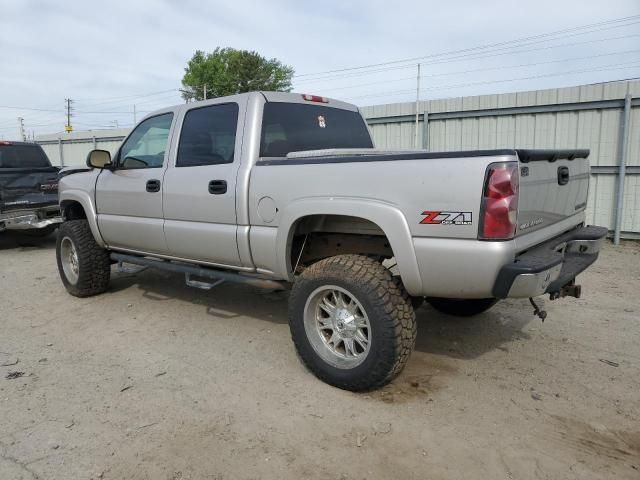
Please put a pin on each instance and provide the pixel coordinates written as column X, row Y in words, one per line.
column 28, row 188
column 553, row 186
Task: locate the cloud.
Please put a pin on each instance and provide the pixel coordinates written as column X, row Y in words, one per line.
column 98, row 52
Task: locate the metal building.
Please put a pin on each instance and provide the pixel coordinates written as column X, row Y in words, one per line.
column 586, row 116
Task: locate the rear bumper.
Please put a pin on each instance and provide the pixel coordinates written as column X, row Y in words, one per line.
column 550, row 266
column 30, row 219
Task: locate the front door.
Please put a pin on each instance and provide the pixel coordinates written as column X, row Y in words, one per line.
column 129, row 197
column 199, row 192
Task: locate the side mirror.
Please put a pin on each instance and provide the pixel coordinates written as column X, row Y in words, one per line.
column 98, row 159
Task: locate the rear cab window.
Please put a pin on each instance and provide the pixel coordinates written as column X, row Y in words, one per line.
column 296, row 127
column 14, row 155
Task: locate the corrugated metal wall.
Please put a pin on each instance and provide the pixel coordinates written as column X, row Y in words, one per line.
column 588, row 116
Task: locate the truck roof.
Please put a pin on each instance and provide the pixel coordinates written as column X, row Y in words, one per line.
column 289, row 97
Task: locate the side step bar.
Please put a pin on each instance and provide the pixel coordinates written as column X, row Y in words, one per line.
column 199, row 283
column 198, row 271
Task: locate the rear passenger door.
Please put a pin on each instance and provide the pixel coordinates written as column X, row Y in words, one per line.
column 199, row 192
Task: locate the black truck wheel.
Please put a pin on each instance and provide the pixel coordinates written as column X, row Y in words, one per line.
column 462, row 307
column 84, row 266
column 353, row 326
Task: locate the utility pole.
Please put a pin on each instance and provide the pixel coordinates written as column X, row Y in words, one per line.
column 134, row 114
column 415, row 137
column 21, row 129
column 205, row 92
column 68, row 128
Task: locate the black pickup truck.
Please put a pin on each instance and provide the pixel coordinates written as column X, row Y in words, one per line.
column 28, row 189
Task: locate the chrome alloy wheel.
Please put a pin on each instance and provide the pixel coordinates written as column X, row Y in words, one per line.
column 69, row 260
column 337, row 326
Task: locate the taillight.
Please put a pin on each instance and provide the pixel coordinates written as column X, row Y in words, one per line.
column 315, row 98
column 498, row 216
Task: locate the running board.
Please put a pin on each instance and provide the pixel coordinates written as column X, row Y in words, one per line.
column 199, row 283
column 201, row 272
column 121, row 268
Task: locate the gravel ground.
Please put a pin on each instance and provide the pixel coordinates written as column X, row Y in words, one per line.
column 155, row 380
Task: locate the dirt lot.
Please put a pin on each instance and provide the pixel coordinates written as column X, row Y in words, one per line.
column 155, row 380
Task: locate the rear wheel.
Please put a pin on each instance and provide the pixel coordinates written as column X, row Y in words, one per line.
column 352, row 324
column 462, row 307
column 83, row 265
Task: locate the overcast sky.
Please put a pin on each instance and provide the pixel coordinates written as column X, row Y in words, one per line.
column 108, row 56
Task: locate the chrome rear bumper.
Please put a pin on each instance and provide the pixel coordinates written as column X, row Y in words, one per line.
column 26, row 221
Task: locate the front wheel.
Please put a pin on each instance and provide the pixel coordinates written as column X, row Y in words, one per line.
column 353, row 326
column 83, row 265
column 462, row 307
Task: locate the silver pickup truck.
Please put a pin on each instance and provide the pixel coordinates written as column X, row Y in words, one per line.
column 282, row 190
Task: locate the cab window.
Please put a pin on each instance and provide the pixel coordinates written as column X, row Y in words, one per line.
column 146, row 146
column 296, row 127
column 208, row 136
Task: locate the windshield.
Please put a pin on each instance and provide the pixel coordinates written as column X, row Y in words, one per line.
column 296, row 127
column 22, row 156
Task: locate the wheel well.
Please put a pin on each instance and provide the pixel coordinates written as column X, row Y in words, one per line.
column 72, row 210
column 316, row 237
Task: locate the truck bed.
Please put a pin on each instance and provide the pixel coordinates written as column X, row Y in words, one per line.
column 436, row 199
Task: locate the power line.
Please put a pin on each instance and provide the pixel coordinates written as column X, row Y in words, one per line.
column 484, row 69
column 470, row 57
column 111, row 104
column 128, row 106
column 460, row 85
column 442, row 60
column 31, row 109
column 126, row 97
column 583, row 30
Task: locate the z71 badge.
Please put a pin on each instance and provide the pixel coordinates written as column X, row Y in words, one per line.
column 446, row 218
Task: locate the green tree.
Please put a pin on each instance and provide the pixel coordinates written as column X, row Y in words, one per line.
column 227, row 71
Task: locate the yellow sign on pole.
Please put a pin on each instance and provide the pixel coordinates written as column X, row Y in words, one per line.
column 68, row 128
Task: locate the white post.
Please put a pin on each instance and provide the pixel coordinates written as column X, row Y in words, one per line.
column 61, row 152
column 205, row 92
column 134, row 114
column 622, row 169
column 415, row 138
column 23, row 137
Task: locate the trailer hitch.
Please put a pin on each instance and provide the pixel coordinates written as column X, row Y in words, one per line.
column 537, row 310
column 569, row 290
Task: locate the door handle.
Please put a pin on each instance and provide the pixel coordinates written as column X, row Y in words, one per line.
column 563, row 175
column 217, row 187
column 153, row 186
